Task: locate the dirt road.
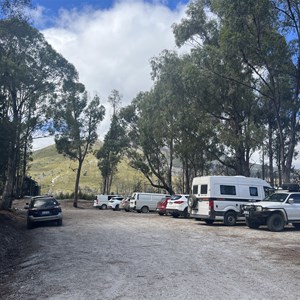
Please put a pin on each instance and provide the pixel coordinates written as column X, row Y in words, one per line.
column 117, row 255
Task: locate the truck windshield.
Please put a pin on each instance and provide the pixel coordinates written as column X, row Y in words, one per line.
column 276, row 197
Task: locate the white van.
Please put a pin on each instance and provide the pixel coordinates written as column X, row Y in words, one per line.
column 219, row 198
column 101, row 201
column 145, row 202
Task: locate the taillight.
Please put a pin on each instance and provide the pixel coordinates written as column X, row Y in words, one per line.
column 211, row 205
column 179, row 201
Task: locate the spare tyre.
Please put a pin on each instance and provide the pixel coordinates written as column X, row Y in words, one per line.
column 192, row 201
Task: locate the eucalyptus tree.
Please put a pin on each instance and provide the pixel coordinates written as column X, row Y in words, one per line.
column 112, row 151
column 189, row 126
column 114, row 146
column 76, row 120
column 247, row 36
column 32, row 74
column 231, row 107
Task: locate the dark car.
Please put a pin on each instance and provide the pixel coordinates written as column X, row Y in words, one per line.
column 43, row 209
column 161, row 205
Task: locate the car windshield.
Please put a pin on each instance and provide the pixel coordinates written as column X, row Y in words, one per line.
column 276, row 197
column 40, row 203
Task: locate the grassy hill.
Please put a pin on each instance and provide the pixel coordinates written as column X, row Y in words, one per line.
column 56, row 174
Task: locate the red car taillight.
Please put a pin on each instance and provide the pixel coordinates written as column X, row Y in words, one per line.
column 211, row 205
column 178, row 202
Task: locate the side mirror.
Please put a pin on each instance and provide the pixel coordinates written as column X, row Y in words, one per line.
column 291, row 201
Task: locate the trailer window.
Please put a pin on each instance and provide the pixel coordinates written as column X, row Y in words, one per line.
column 203, row 189
column 195, row 189
column 227, row 190
column 253, row 191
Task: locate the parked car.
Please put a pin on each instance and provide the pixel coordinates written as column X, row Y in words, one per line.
column 114, row 202
column 101, row 201
column 162, row 204
column 125, row 204
column 43, row 209
column 144, row 202
column 178, row 206
column 219, row 198
column 275, row 211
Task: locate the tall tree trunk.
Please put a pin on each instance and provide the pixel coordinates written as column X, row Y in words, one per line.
column 77, row 183
column 7, row 196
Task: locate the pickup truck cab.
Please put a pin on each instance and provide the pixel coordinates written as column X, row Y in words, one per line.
column 275, row 211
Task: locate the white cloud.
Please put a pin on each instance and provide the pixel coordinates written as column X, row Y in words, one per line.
column 111, row 48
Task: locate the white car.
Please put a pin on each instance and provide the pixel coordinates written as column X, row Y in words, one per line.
column 114, row 203
column 178, row 206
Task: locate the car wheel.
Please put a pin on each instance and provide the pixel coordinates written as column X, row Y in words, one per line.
column 209, row 222
column 230, row 218
column 186, row 213
column 296, row 225
column 117, row 207
column 175, row 215
column 161, row 214
column 29, row 224
column 144, row 209
column 275, row 222
column 103, row 206
column 252, row 224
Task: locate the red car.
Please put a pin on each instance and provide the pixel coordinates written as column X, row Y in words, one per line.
column 161, row 205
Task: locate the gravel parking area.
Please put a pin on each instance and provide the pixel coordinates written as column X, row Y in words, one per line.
column 122, row 255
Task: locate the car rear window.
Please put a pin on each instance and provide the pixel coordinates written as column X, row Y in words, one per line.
column 175, row 197
column 39, row 203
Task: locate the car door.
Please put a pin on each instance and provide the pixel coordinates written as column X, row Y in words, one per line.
column 293, row 210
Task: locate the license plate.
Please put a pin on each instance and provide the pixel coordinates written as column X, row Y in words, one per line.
column 46, row 212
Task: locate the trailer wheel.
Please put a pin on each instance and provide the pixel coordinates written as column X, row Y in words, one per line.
column 275, row 222
column 230, row 218
column 145, row 209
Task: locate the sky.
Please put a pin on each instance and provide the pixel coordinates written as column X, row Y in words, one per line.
column 109, row 42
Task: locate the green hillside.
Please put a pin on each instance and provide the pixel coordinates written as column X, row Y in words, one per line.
column 56, row 174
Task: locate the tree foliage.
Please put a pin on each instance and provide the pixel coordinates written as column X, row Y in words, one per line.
column 76, row 121
column 32, row 74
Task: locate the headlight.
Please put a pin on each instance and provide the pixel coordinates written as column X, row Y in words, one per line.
column 259, row 208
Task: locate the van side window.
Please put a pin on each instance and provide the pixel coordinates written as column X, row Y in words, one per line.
column 195, row 189
column 253, row 191
column 227, row 190
column 203, row 189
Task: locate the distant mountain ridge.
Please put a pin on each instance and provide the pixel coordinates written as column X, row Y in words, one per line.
column 56, row 174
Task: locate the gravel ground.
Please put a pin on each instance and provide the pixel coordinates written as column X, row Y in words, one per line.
column 117, row 255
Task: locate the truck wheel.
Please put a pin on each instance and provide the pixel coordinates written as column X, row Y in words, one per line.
column 103, row 206
column 230, row 218
column 252, row 224
column 275, row 222
column 209, row 222
column 144, row 209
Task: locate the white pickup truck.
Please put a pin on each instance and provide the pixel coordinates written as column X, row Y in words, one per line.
column 275, row 211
